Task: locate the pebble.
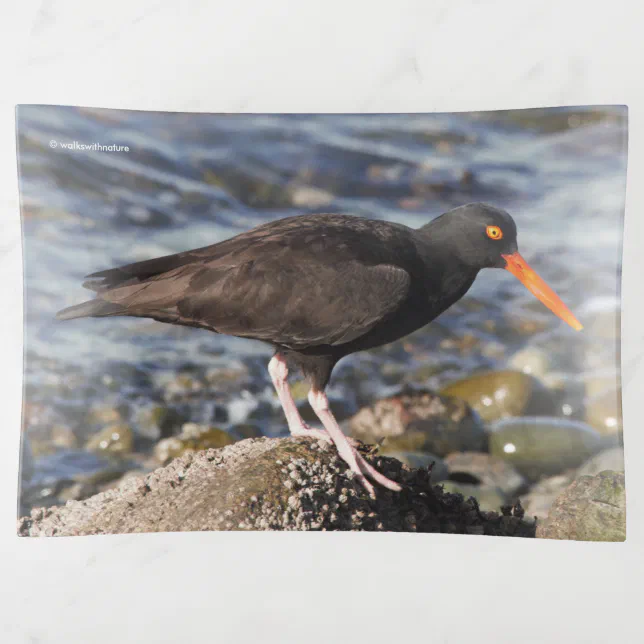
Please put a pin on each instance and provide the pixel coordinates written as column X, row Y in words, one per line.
column 542, row 446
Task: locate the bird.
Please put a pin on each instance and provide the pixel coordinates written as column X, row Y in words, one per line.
column 317, row 288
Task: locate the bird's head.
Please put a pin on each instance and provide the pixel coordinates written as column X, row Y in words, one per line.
column 482, row 236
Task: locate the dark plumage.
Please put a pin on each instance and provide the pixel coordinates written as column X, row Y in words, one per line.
column 315, row 287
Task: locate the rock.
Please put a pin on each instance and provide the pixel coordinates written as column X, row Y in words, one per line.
column 531, row 360
column 486, row 469
column 490, row 498
column 269, row 484
column 63, row 437
column 310, row 197
column 541, row 446
column 228, row 378
column 599, row 383
column 500, row 394
column 246, row 430
column 114, row 439
column 193, row 437
column 593, row 508
column 568, row 392
column 104, row 415
column 539, row 500
column 183, row 386
column 522, row 324
column 603, row 412
column 68, row 474
column 415, row 460
column 157, row 421
column 77, row 491
column 420, row 421
column 608, row 459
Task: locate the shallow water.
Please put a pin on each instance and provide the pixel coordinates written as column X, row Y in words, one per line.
column 190, row 180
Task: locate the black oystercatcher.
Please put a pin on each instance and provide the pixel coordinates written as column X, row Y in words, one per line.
column 317, row 288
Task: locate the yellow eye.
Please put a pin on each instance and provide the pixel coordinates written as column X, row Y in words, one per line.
column 494, row 232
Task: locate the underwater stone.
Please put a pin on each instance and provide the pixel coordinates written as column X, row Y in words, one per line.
column 420, row 420
column 500, row 394
column 193, row 438
column 603, row 412
column 104, row 415
column 114, row 439
column 157, row 421
column 490, row 471
column 531, row 360
column 542, row 446
column 490, row 498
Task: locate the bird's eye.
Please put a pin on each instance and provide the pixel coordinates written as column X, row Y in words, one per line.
column 494, row 232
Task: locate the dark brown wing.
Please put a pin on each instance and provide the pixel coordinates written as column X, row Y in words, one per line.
column 298, row 282
column 291, row 304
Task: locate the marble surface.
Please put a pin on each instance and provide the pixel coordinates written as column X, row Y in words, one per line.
column 320, row 57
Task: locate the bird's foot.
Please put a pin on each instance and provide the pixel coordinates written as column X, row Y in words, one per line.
column 356, row 462
column 362, row 469
column 375, row 475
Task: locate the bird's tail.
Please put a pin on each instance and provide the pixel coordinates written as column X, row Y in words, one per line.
column 92, row 309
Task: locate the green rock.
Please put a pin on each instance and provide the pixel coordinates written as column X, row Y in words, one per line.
column 497, row 394
column 415, row 460
column 114, row 439
column 542, row 446
column 420, row 420
column 193, row 438
column 490, row 499
column 593, row 508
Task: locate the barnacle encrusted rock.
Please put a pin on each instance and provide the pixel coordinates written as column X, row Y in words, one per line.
column 271, row 484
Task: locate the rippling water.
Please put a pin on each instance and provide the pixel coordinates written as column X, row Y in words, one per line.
column 190, row 180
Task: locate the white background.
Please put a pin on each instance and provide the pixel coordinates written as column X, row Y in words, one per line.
column 277, row 55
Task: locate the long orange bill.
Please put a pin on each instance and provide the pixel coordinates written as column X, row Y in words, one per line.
column 522, row 271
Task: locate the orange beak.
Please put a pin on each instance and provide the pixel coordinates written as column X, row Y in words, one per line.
column 522, row 271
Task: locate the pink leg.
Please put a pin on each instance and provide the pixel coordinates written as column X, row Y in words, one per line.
column 346, row 451
column 278, row 371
